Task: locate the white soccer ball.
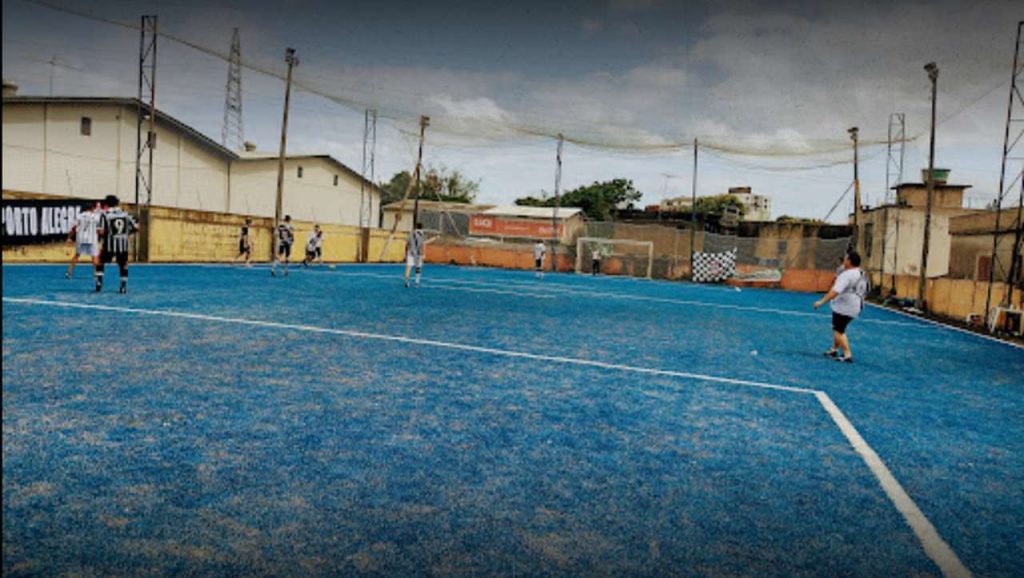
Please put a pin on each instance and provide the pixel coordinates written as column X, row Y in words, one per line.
column 753, row 352
column 331, row 266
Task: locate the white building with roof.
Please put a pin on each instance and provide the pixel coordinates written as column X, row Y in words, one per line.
column 85, row 147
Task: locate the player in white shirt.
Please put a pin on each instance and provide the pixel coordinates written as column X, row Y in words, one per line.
column 595, row 261
column 847, row 297
column 84, row 238
column 415, row 247
column 539, row 249
column 314, row 247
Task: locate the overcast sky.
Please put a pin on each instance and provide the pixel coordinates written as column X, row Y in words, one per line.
column 771, row 90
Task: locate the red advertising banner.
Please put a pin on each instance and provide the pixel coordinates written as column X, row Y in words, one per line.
column 494, row 226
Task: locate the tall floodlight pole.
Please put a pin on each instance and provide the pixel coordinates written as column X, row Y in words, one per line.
column 693, row 209
column 145, row 115
column 424, row 123
column 1013, row 137
column 858, row 237
column 933, row 76
column 293, row 61
column 558, row 202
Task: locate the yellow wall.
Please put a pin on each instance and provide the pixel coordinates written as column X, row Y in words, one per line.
column 181, row 235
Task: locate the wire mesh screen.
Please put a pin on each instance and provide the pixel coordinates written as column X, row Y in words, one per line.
column 630, row 247
column 445, row 223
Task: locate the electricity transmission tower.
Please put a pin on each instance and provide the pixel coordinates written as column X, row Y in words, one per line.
column 146, row 115
column 368, row 174
column 894, row 166
column 1011, row 178
column 893, row 177
column 232, row 134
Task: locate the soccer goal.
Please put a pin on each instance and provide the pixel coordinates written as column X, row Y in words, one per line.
column 617, row 256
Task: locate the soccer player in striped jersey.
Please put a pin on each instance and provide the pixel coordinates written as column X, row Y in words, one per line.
column 314, row 247
column 115, row 228
column 83, row 236
column 415, row 247
column 285, row 240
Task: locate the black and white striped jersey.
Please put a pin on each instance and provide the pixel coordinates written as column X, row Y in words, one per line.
column 116, row 225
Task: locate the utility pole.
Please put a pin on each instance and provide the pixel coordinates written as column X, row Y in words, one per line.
column 693, row 209
column 933, row 76
column 293, row 61
column 858, row 237
column 1012, row 138
column 424, row 123
column 145, row 115
column 558, row 202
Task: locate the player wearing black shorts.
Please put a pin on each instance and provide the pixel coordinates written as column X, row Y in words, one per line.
column 245, row 243
column 285, row 240
column 115, row 228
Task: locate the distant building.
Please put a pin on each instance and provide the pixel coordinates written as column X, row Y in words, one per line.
column 755, row 207
column 972, row 238
column 519, row 223
column 897, row 229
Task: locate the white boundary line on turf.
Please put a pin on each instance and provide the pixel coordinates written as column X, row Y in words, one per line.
column 431, row 285
column 943, row 325
column 412, row 340
column 567, row 290
column 937, row 549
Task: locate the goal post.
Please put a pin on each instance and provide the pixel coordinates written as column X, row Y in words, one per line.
column 634, row 257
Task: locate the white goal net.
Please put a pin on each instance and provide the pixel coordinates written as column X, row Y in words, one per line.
column 625, row 257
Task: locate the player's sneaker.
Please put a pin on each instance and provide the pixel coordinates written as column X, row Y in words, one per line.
column 67, row 274
column 123, row 289
column 99, row 284
column 845, row 359
column 831, row 353
column 273, row 273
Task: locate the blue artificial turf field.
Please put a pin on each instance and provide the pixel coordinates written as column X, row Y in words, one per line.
column 216, row 421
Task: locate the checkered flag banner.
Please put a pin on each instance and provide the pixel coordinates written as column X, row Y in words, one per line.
column 714, row 267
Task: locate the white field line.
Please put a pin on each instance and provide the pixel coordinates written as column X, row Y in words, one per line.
column 503, row 289
column 944, row 326
column 563, row 289
column 934, row 546
column 397, row 279
column 413, row 340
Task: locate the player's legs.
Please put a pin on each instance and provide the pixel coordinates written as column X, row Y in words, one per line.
column 319, row 256
column 277, row 259
column 71, row 265
column 105, row 258
column 419, row 269
column 248, row 255
column 122, row 265
column 409, row 262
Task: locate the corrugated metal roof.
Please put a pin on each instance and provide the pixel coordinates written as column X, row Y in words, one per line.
column 533, row 212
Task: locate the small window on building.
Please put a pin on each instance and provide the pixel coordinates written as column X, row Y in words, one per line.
column 335, row 180
column 86, row 127
column 299, row 172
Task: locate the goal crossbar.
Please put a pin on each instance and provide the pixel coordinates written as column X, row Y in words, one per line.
column 645, row 248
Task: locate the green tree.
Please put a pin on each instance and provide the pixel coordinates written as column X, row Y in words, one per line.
column 435, row 184
column 598, row 200
column 798, row 220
